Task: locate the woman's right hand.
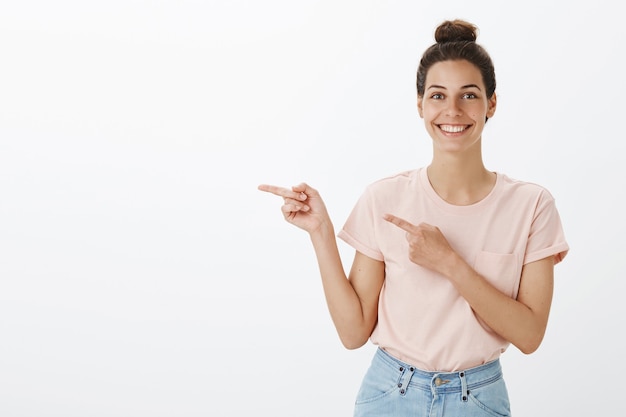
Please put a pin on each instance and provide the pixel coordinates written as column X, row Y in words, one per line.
column 303, row 206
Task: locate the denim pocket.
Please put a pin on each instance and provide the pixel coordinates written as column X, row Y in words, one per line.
column 491, row 399
column 375, row 386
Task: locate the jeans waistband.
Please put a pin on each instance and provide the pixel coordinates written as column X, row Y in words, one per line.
column 441, row 381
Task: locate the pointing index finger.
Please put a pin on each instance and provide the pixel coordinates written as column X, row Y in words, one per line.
column 272, row 189
column 282, row 192
column 401, row 223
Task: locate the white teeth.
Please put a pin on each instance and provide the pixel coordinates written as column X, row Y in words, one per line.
column 451, row 128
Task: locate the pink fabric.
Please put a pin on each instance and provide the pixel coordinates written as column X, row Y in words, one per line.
column 422, row 319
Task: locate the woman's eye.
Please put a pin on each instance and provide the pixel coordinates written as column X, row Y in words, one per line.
column 469, row 95
column 437, row 96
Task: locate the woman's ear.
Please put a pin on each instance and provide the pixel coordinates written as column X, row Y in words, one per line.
column 491, row 106
column 419, row 106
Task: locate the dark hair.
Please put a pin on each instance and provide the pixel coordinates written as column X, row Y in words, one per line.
column 456, row 40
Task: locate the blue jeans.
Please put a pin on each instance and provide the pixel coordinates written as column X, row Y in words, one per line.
column 394, row 388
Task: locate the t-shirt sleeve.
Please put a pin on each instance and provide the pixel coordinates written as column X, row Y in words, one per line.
column 546, row 237
column 359, row 230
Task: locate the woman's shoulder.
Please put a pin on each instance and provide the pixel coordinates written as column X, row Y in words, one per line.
column 393, row 181
column 523, row 188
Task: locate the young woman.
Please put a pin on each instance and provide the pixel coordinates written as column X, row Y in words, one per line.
column 453, row 262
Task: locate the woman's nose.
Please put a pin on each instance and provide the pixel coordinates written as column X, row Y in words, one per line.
column 453, row 109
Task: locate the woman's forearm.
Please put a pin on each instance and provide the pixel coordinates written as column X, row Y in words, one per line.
column 521, row 324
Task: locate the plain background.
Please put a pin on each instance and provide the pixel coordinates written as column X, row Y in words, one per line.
column 143, row 274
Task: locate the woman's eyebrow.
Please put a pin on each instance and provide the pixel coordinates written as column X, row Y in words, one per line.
column 441, row 87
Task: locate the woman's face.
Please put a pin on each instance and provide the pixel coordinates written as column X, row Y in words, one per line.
column 455, row 105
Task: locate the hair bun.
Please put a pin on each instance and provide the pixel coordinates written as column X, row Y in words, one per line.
column 456, row 31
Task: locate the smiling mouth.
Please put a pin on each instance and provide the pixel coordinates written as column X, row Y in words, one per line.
column 453, row 128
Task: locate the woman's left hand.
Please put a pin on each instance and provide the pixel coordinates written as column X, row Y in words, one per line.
column 428, row 247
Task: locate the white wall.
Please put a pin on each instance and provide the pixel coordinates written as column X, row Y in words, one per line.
column 142, row 273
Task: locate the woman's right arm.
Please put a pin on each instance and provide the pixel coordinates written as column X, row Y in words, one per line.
column 352, row 300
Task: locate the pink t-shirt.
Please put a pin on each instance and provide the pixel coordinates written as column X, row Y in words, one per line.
column 422, row 319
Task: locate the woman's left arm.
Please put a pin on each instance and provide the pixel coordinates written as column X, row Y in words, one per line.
column 521, row 321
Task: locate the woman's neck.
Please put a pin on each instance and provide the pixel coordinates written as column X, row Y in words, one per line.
column 460, row 182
